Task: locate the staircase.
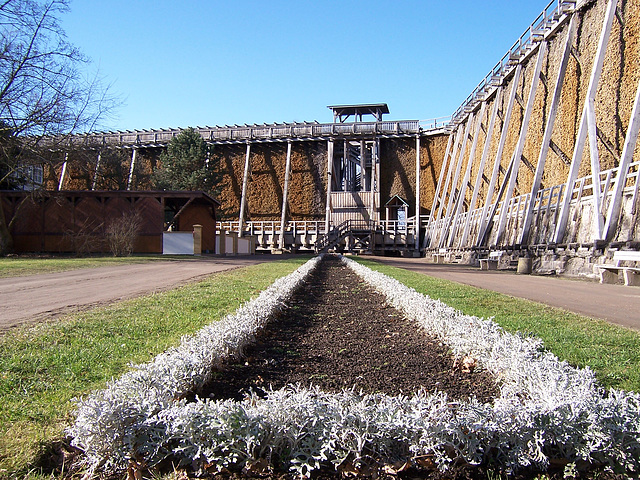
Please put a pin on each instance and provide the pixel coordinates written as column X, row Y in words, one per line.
column 359, row 230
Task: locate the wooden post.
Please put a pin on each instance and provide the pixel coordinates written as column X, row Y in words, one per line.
column 134, row 154
column 95, row 174
column 546, row 139
column 346, row 168
column 467, row 174
column 363, row 167
column 368, row 173
column 285, row 193
column 63, row 173
column 484, row 220
column 197, row 240
column 449, row 210
column 441, row 176
column 375, row 178
column 417, row 227
column 483, row 161
column 448, row 178
column 245, row 181
column 587, row 115
column 517, row 154
column 486, row 230
column 329, row 183
column 615, row 205
column 443, row 196
column 598, row 219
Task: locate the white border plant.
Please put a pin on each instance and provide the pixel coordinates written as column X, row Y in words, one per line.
column 546, row 409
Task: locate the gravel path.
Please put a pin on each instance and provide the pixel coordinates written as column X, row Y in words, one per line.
column 36, row 297
column 615, row 303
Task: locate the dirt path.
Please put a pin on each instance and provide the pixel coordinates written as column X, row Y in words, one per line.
column 32, row 298
column 337, row 333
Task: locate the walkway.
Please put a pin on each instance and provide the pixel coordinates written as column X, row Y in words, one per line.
column 615, row 303
column 31, row 298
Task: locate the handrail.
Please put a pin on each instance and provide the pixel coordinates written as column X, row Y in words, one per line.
column 435, row 123
column 340, row 231
column 549, row 17
column 242, row 133
column 547, row 198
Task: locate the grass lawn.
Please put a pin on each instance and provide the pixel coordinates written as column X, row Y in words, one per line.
column 20, row 266
column 44, row 366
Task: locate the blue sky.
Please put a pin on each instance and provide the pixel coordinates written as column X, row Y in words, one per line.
column 197, row 63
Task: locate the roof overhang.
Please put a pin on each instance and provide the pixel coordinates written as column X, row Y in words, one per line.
column 196, row 196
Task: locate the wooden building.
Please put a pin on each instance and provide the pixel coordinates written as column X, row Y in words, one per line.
column 78, row 221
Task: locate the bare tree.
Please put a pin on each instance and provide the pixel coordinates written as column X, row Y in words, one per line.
column 46, row 93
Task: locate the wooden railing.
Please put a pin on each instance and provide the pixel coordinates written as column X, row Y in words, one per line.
column 351, row 199
column 274, row 227
column 243, row 133
column 546, row 204
column 552, row 15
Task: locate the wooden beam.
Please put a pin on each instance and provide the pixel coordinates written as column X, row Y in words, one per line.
column 596, row 72
column 329, row 183
column 598, row 218
column 615, row 205
column 483, row 161
column 484, row 233
column 517, row 154
column 454, row 155
column 245, row 181
column 63, row 173
column 484, row 219
column 285, row 193
column 97, row 170
column 417, row 228
column 375, row 198
column 441, row 176
column 134, row 154
column 369, row 173
column 179, row 212
column 363, row 166
column 345, row 171
column 429, row 233
column 548, row 131
column 454, row 183
column 465, row 180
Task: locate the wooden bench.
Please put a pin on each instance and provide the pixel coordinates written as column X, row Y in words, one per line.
column 631, row 275
column 491, row 262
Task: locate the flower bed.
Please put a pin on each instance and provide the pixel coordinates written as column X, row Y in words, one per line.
column 546, row 410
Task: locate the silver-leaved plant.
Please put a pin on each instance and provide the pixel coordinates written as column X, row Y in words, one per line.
column 546, row 408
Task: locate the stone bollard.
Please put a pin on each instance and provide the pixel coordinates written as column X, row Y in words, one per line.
column 197, row 239
column 524, row 265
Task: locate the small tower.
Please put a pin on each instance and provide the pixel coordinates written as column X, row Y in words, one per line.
column 355, row 168
column 341, row 113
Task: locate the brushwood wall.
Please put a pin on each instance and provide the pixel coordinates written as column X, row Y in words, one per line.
column 497, row 172
column 308, row 178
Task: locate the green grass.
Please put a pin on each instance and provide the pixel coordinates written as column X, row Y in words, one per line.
column 19, row 266
column 43, row 367
column 613, row 352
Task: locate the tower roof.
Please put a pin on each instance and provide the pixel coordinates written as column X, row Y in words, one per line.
column 342, row 112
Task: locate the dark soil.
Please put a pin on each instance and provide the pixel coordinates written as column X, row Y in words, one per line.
column 338, row 333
